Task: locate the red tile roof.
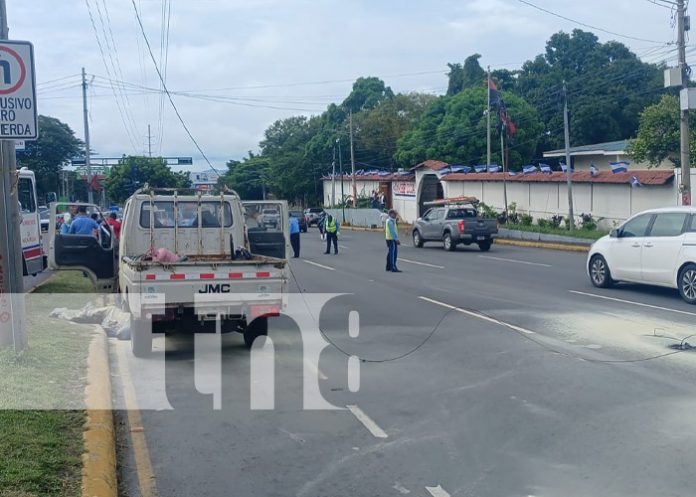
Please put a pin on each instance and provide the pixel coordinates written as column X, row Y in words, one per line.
column 656, row 177
column 375, row 177
column 434, row 165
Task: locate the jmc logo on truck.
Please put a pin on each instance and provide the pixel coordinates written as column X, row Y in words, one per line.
column 18, row 117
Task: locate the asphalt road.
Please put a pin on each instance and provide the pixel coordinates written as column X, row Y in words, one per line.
column 483, row 375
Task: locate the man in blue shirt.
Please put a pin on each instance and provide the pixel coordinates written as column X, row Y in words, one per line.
column 391, row 234
column 83, row 224
column 295, row 235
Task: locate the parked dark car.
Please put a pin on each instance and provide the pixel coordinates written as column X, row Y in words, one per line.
column 301, row 219
column 313, row 215
column 453, row 224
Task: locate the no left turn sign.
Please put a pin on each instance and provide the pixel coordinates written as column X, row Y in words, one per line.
column 18, row 116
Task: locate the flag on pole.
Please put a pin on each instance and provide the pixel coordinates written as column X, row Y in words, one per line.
column 496, row 101
column 619, row 167
column 635, row 182
column 564, row 168
column 512, row 173
column 593, row 170
column 544, row 168
column 494, row 168
column 480, row 168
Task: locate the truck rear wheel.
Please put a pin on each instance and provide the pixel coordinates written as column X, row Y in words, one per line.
column 141, row 337
column 258, row 327
column 485, row 246
column 448, row 243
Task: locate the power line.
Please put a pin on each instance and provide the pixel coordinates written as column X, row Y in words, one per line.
column 164, row 87
column 575, row 21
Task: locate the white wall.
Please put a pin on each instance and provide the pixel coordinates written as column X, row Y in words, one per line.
column 407, row 207
column 364, row 188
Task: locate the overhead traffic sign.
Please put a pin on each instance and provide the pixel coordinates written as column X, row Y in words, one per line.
column 18, row 117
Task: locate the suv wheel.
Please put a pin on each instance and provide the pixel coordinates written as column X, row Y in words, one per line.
column 687, row 283
column 448, row 243
column 417, row 240
column 599, row 272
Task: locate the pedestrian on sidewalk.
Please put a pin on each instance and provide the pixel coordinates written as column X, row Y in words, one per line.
column 295, row 235
column 332, row 231
column 391, row 233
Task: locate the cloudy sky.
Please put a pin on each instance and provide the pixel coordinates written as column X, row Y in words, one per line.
column 250, row 62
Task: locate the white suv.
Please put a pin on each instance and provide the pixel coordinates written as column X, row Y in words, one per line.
column 655, row 247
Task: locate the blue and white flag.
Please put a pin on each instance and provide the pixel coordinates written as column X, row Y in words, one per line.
column 512, row 173
column 480, row 168
column 635, row 182
column 444, row 171
column 593, row 170
column 619, row 167
column 529, row 169
column 460, row 169
column 494, row 168
column 383, row 173
column 359, row 172
column 544, row 168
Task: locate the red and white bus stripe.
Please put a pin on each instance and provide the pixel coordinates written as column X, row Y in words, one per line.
column 210, row 276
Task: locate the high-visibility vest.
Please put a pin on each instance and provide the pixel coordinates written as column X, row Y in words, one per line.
column 387, row 231
column 331, row 225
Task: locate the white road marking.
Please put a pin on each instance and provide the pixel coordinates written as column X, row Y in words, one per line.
column 516, row 261
column 376, row 431
column 401, row 259
column 401, row 489
column 328, row 268
column 437, row 491
column 479, row 316
column 343, row 247
column 316, row 370
column 640, row 304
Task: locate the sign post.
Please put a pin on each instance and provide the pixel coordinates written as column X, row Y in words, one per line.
column 18, row 121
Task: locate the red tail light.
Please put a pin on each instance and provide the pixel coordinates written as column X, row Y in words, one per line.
column 461, row 226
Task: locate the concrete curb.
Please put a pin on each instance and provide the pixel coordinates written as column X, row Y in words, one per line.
column 545, row 245
column 99, row 460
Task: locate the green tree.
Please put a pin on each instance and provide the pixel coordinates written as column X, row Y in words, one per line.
column 47, row 155
column 453, row 129
column 133, row 172
column 608, row 87
column 248, row 177
column 367, row 93
column 658, row 134
column 377, row 131
column 469, row 75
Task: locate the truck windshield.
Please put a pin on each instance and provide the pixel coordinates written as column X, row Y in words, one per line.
column 25, row 194
column 165, row 215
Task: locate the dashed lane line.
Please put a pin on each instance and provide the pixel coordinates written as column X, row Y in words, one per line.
column 516, row 261
column 435, row 266
column 632, row 302
column 372, row 427
column 328, row 268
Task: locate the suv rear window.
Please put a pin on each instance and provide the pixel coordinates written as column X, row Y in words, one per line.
column 165, row 217
column 315, row 211
column 461, row 213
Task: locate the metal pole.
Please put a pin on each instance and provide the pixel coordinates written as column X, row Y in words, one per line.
column 333, row 179
column 340, row 168
column 569, row 173
column 684, row 114
column 12, row 315
column 502, row 158
column 85, row 116
column 488, row 120
column 352, row 164
column 149, row 141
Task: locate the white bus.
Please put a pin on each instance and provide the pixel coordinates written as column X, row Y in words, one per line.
column 33, row 257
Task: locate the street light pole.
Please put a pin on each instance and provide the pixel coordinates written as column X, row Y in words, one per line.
column 684, row 113
column 333, row 178
column 12, row 319
column 85, row 118
column 569, row 173
column 340, row 169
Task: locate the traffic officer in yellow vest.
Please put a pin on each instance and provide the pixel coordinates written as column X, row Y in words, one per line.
column 391, row 233
column 332, row 231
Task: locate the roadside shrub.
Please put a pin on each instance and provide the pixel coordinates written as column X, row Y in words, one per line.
column 526, row 219
column 487, row 211
column 588, row 222
column 545, row 223
column 556, row 221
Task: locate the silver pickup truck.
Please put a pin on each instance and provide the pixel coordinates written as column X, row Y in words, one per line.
column 186, row 261
column 454, row 223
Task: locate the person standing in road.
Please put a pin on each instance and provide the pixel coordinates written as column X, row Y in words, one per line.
column 295, row 236
column 332, row 231
column 115, row 225
column 84, row 224
column 391, row 234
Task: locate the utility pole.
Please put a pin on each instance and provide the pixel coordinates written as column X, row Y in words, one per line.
column 505, row 166
column 684, row 114
column 149, row 141
column 569, row 173
column 352, row 164
column 85, row 116
column 488, row 123
column 333, row 178
column 12, row 315
column 340, row 172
